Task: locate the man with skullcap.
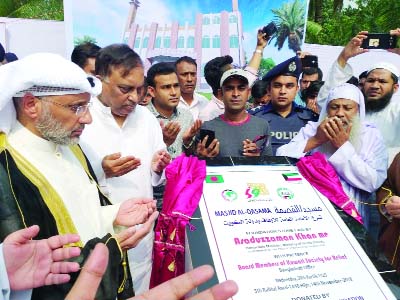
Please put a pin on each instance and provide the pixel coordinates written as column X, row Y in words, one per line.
column 44, row 101
column 352, row 146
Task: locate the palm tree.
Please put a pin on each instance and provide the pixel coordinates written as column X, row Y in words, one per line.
column 290, row 22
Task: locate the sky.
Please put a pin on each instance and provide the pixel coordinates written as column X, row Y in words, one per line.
column 105, row 19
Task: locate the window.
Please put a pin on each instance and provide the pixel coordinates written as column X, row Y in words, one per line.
column 167, row 42
column 206, row 20
column 137, row 43
column 232, row 19
column 216, row 41
column 145, row 42
column 158, row 42
column 205, row 43
column 181, row 42
column 216, row 20
column 190, row 42
column 233, row 41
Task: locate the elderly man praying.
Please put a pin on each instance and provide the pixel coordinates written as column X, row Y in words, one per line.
column 352, row 146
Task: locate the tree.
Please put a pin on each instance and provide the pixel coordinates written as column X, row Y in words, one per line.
column 290, row 22
column 84, row 39
column 33, row 9
column 266, row 65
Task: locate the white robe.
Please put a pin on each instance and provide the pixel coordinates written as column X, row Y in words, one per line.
column 198, row 104
column 360, row 173
column 140, row 136
column 66, row 175
column 386, row 120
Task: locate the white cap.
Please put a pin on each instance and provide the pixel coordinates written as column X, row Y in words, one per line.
column 233, row 72
column 387, row 66
column 41, row 74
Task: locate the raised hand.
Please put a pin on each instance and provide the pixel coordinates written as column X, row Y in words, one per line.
column 134, row 211
column 170, row 132
column 33, row 263
column 114, row 165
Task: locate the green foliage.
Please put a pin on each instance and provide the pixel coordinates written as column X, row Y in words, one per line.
column 340, row 26
column 290, row 22
column 266, row 65
column 33, row 9
column 84, row 39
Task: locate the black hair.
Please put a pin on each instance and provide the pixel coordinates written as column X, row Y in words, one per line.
column 83, row 52
column 312, row 71
column 116, row 56
column 162, row 68
column 187, row 59
column 214, row 69
column 311, row 90
column 363, row 75
column 353, row 80
column 259, row 89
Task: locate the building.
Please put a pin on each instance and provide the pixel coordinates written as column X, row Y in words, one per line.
column 211, row 35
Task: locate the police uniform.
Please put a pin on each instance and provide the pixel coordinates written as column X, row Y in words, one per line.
column 283, row 129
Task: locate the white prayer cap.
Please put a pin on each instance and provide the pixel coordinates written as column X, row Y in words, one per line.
column 41, row 74
column 387, row 66
column 345, row 91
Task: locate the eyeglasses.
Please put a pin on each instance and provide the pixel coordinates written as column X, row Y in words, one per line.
column 78, row 110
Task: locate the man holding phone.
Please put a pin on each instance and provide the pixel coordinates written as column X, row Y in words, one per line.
column 238, row 133
column 380, row 85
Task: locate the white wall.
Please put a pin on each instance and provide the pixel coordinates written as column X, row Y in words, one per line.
column 27, row 36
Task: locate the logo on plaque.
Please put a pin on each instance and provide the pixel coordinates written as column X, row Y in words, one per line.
column 285, row 193
column 255, row 190
column 229, row 195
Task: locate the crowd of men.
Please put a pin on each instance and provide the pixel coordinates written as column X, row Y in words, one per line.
column 84, row 146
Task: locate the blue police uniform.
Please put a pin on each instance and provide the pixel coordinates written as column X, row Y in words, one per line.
column 283, row 129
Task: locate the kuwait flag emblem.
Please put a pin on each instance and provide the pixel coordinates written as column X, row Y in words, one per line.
column 291, row 176
column 214, row 179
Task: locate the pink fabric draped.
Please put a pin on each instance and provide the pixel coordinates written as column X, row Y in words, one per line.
column 321, row 175
column 185, row 177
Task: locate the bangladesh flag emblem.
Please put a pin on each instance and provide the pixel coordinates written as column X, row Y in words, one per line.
column 214, row 179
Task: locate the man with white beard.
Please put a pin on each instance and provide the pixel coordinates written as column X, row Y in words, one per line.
column 353, row 147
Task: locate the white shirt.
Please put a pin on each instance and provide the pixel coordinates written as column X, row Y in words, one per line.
column 214, row 108
column 198, row 104
column 140, row 136
column 360, row 172
column 67, row 176
column 386, row 120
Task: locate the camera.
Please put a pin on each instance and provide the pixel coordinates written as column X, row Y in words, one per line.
column 379, row 41
column 269, row 29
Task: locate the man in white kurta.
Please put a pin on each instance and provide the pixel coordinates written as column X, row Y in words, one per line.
column 387, row 119
column 121, row 126
column 44, row 107
column 360, row 161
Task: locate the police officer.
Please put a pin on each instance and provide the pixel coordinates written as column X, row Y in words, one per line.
column 285, row 117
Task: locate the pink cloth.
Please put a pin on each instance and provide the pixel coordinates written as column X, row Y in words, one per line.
column 321, row 175
column 185, row 177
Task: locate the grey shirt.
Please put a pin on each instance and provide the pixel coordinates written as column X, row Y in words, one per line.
column 180, row 115
column 231, row 135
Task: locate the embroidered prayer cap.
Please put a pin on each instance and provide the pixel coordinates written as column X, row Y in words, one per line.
column 345, row 91
column 290, row 67
column 387, row 66
column 233, row 73
column 41, row 74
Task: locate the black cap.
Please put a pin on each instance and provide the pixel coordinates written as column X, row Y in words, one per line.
column 290, row 67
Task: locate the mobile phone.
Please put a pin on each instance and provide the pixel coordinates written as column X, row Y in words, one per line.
column 269, row 29
column 379, row 41
column 309, row 61
column 209, row 133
